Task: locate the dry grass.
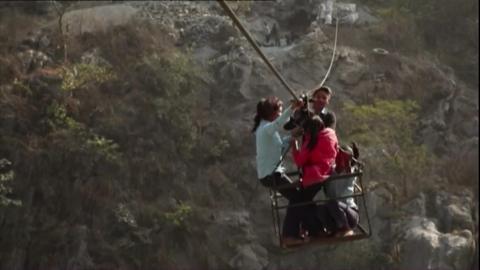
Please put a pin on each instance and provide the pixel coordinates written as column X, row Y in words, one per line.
column 15, row 25
column 123, row 45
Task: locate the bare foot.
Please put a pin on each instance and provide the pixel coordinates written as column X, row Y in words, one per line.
column 344, row 233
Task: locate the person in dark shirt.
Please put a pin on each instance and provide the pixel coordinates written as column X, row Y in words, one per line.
column 320, row 99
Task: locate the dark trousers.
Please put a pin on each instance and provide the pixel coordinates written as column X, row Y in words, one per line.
column 344, row 217
column 290, row 226
column 295, row 214
column 331, row 217
column 277, row 179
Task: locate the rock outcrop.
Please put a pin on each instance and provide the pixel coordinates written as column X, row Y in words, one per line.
column 233, row 229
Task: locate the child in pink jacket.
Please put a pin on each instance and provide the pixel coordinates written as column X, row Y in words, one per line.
column 316, row 157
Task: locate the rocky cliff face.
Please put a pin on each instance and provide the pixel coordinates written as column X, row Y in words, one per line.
column 209, row 212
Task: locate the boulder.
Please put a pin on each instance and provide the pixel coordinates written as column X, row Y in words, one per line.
column 93, row 57
column 32, row 60
column 347, row 12
column 250, row 257
column 97, row 19
column 379, row 204
column 453, row 211
column 36, row 40
column 417, row 206
column 424, row 247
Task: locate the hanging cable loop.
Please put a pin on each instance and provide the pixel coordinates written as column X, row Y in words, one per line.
column 331, row 60
column 245, row 32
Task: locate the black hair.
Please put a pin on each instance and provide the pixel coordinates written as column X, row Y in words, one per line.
column 265, row 109
column 324, row 89
column 329, row 120
column 313, row 125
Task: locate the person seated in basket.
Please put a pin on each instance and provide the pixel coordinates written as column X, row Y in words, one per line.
column 268, row 123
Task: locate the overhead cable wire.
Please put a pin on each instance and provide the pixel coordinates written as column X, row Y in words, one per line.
column 245, row 32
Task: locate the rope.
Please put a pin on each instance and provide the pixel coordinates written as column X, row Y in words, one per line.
column 331, row 60
column 235, row 19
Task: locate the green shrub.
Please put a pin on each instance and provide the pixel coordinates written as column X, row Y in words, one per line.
column 385, row 131
column 57, row 117
column 104, row 147
column 173, row 82
column 178, row 216
column 124, row 215
column 80, row 75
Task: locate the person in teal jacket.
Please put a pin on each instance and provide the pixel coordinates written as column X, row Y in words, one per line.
column 268, row 123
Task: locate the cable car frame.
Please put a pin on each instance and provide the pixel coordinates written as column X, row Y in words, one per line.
column 361, row 231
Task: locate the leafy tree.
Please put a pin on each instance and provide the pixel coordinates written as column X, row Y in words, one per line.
column 386, row 132
column 80, row 75
column 172, row 81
